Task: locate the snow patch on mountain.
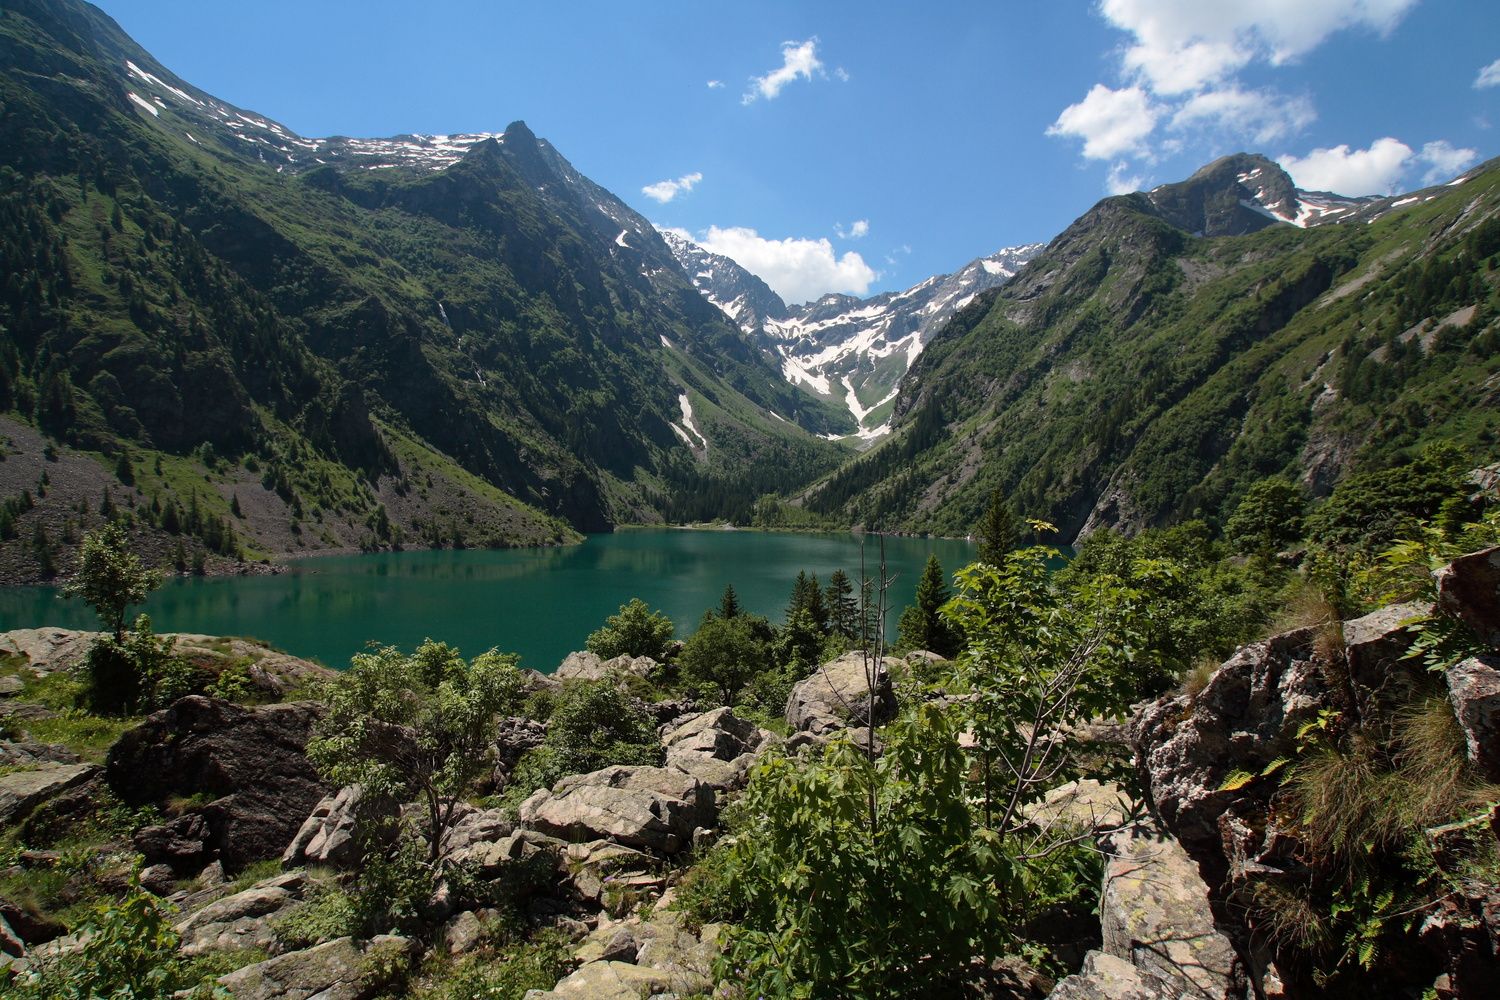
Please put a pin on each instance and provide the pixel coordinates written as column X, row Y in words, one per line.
column 855, row 349
column 688, row 427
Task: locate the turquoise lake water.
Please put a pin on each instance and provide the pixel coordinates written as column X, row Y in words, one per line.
column 540, row 603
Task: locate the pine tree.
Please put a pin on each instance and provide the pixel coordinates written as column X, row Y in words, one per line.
column 234, row 506
column 41, row 550
column 124, row 472
column 999, row 530
column 729, row 603
column 815, row 606
column 107, row 506
column 799, row 595
column 843, row 609
column 921, row 626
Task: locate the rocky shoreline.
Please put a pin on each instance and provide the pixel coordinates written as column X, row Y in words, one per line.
column 603, row 850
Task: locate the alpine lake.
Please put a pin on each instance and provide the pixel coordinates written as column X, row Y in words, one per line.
column 539, row 603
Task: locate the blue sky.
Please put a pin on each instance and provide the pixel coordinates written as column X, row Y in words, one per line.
column 859, row 147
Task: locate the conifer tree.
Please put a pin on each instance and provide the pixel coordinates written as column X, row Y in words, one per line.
column 921, row 626
column 729, row 603
column 999, row 530
column 815, row 606
column 843, row 609
column 799, row 595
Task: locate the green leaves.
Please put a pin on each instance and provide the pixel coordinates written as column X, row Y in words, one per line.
column 635, row 631
column 419, row 725
column 110, row 577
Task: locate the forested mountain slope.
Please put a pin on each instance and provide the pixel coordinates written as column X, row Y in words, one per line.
column 1134, row 373
column 341, row 318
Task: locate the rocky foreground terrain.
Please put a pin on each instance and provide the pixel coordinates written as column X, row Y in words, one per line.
column 247, row 830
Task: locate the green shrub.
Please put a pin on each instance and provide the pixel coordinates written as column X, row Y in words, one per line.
column 506, row 973
column 129, row 952
column 328, row 913
column 593, row 725
column 635, row 631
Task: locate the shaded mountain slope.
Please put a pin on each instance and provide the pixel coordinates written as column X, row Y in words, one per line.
column 183, row 275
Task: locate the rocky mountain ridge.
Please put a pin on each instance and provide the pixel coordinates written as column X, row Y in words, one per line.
column 1134, row 373
column 486, row 322
column 844, row 348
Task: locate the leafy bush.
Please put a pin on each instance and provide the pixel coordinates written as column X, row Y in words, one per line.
column 593, row 725
column 635, row 631
column 136, row 673
column 129, row 952
column 416, row 726
column 726, row 653
column 328, row 913
column 508, row 972
column 853, row 877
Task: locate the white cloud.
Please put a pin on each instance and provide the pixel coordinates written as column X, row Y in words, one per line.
column 858, row 229
column 715, row 84
column 1182, row 46
column 1489, row 76
column 1120, row 182
column 1262, row 115
column 796, row 268
column 842, row 74
column 1111, row 123
column 1445, row 161
column 665, row 191
column 1376, row 170
column 798, row 59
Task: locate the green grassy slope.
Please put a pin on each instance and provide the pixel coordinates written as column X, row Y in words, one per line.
column 165, row 290
column 1134, row 375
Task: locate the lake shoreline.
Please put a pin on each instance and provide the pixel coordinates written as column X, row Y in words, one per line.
column 540, row 602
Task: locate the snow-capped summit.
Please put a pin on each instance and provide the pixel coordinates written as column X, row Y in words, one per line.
column 855, row 350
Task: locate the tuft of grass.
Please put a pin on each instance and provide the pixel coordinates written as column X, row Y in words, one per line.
column 1287, row 917
column 1303, row 607
column 1197, row 677
column 1375, row 794
column 89, row 736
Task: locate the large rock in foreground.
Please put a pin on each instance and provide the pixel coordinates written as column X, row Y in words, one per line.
column 1106, row 977
column 715, row 747
column 253, row 760
column 338, row 970
column 22, row 791
column 653, row 808
column 837, row 696
column 1154, row 912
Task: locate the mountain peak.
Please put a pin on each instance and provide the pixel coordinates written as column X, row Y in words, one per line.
column 519, row 132
column 1231, row 196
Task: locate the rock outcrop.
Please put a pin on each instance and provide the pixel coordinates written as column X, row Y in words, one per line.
column 715, row 747
column 837, row 696
column 270, row 672
column 253, row 760
column 653, row 808
column 244, row 920
column 24, row 790
column 1212, row 762
column 342, row 969
column 586, row 666
column 1155, row 913
column 335, row 832
column 1469, row 590
column 1106, row 977
column 1474, row 693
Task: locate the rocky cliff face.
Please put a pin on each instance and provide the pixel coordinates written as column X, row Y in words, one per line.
column 1271, row 775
